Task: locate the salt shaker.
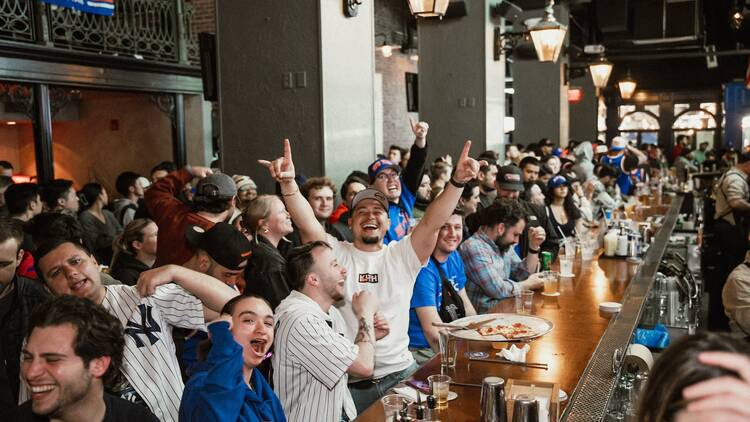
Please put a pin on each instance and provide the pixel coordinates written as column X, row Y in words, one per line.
column 492, row 400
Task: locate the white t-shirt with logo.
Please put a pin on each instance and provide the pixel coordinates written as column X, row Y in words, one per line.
column 389, row 274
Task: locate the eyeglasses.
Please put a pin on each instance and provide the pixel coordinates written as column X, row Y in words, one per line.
column 387, row 176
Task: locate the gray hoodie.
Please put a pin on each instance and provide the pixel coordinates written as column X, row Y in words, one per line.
column 583, row 167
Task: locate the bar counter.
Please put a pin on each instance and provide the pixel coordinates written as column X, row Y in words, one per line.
column 577, row 338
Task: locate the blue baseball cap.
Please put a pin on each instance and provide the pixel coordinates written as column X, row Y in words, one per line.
column 557, row 181
column 380, row 165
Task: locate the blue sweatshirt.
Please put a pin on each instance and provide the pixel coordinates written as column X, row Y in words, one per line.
column 217, row 391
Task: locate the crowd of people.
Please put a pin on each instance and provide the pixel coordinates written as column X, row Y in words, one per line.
column 195, row 297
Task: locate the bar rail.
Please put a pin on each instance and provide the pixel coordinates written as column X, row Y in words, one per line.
column 600, row 375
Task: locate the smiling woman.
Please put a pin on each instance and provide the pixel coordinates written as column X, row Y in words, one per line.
column 240, row 339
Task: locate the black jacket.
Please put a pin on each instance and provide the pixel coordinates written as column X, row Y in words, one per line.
column 26, row 295
column 265, row 274
column 126, row 269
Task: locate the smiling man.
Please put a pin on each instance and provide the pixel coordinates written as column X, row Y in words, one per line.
column 74, row 350
column 166, row 297
column 313, row 358
column 388, row 271
column 400, row 188
column 439, row 294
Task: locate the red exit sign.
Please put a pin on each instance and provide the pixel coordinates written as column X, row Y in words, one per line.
column 575, row 95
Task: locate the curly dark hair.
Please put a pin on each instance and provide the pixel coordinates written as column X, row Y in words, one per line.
column 98, row 333
column 506, row 211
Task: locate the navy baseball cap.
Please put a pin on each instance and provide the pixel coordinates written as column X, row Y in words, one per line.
column 380, row 165
column 222, row 242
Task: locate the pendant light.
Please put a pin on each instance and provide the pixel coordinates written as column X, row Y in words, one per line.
column 548, row 35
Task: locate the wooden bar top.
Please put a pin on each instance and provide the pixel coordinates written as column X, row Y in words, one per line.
column 578, row 327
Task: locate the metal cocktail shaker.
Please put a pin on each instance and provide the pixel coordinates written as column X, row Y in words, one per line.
column 525, row 409
column 492, row 400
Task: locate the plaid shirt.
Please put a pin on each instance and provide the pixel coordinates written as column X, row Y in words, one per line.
column 490, row 274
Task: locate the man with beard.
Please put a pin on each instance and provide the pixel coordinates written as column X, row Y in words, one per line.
column 313, row 360
column 530, row 169
column 400, row 189
column 388, row 271
column 486, row 177
column 74, row 349
column 509, row 186
column 492, row 265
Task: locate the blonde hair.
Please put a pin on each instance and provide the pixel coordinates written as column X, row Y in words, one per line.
column 259, row 209
column 123, row 243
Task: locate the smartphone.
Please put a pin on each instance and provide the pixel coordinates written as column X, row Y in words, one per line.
column 420, row 386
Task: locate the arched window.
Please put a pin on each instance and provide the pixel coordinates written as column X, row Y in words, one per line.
column 695, row 119
column 639, row 120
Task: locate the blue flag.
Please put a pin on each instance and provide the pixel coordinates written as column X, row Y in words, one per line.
column 100, row 7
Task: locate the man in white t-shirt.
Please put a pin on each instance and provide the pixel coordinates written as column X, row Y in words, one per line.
column 147, row 311
column 387, row 271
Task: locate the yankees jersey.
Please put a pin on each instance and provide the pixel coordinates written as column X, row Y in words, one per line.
column 149, row 362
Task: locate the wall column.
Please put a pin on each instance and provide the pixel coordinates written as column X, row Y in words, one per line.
column 42, row 126
column 299, row 70
column 461, row 85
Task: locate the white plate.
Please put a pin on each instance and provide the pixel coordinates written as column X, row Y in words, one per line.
column 567, row 275
column 610, row 307
column 540, row 326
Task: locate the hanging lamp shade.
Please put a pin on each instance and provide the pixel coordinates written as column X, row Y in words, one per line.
column 428, row 8
column 548, row 35
column 600, row 71
column 627, row 87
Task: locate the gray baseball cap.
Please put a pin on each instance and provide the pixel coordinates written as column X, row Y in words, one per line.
column 215, row 187
column 370, row 194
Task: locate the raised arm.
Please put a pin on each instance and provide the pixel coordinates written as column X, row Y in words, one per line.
column 161, row 197
column 412, row 174
column 642, row 158
column 282, row 170
column 425, row 234
column 213, row 293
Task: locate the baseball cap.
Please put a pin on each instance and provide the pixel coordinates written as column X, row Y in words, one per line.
column 509, row 178
column 222, row 242
column 600, row 149
column 618, row 143
column 217, row 186
column 557, row 181
column 241, row 182
column 379, row 166
column 370, row 194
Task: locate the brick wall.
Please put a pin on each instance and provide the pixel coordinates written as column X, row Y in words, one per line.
column 204, row 19
column 396, row 128
column 391, row 17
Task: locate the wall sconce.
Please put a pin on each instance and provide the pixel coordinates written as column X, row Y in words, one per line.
column 548, row 35
column 428, row 8
column 351, row 8
column 627, row 87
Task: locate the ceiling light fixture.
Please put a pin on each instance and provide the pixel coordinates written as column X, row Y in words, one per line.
column 600, row 71
column 627, row 86
column 548, row 35
column 428, row 8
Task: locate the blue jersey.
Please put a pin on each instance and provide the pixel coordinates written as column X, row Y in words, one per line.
column 428, row 291
column 623, row 179
column 400, row 215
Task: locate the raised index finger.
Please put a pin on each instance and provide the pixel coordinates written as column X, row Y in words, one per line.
column 287, row 150
column 465, row 151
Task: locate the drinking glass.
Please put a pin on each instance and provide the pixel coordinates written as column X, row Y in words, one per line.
column 392, row 403
column 524, row 301
column 566, row 266
column 551, row 283
column 440, row 386
column 587, row 250
column 447, row 349
column 570, row 247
